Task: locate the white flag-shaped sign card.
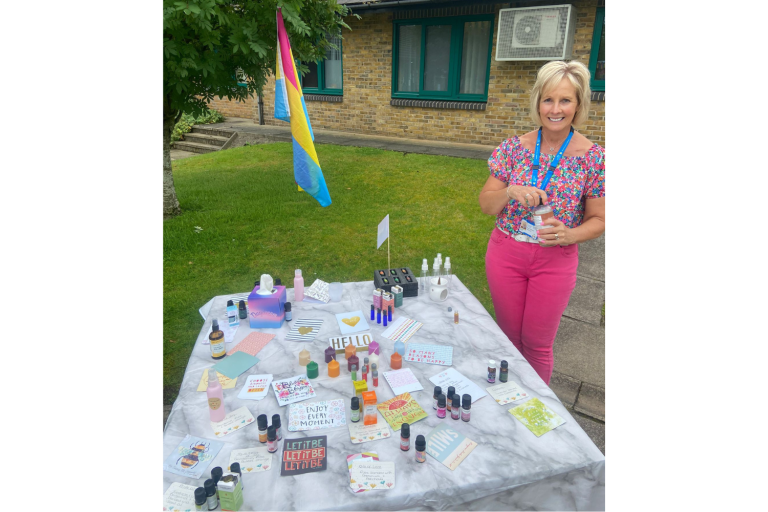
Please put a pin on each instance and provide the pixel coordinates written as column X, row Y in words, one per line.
column 383, row 231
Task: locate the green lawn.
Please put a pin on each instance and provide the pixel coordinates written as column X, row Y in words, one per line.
column 255, row 221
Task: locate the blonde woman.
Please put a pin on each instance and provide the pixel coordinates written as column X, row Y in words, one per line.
column 531, row 269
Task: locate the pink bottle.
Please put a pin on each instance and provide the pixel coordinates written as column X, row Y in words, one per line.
column 298, row 286
column 215, row 397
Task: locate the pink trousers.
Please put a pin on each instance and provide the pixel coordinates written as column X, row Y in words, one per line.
column 530, row 287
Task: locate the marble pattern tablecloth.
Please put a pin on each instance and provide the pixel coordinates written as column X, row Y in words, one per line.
column 510, row 468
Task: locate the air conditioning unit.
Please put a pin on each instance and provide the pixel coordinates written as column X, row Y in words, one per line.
column 536, row 33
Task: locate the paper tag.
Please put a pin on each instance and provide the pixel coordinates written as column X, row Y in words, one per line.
column 529, row 229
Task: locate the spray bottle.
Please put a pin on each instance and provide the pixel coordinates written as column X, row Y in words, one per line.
column 216, row 340
column 424, row 285
column 298, row 286
column 215, row 397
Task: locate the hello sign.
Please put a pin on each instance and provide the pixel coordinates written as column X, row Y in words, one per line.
column 360, row 341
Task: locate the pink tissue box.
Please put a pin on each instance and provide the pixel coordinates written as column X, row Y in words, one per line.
column 267, row 311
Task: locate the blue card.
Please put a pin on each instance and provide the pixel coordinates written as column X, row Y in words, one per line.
column 232, row 366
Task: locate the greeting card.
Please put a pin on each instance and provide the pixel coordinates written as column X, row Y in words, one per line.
column 539, row 418
column 251, row 460
column 352, row 322
column 308, row 454
column 232, row 422
column 507, row 392
column 252, row 343
column 256, row 387
column 460, row 383
column 364, row 455
column 402, row 381
column 430, row 354
column 226, row 382
column 232, row 366
column 294, row 389
column 448, row 446
column 401, row 329
column 319, row 291
column 179, row 498
column 192, row 457
column 304, row 330
column 316, row 415
column 361, row 433
column 401, row 409
column 372, row 474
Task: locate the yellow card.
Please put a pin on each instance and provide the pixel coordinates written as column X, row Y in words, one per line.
column 226, row 382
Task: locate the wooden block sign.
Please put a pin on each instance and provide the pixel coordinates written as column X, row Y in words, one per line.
column 360, row 341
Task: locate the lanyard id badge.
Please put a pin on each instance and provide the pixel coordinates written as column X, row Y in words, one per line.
column 535, row 167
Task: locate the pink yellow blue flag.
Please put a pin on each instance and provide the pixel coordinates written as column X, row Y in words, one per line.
column 290, row 106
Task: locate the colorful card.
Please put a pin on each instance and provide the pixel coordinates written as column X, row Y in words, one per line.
column 316, row 415
column 360, row 341
column 539, row 418
column 372, row 474
column 365, row 455
column 256, row 387
column 179, row 498
column 232, row 422
column 192, row 457
column 304, row 330
column 352, row 322
column 226, row 382
column 401, row 409
column 430, row 354
column 304, row 455
column 402, row 381
column 252, row 343
column 251, row 460
column 401, row 329
column 295, row 389
column 234, row 365
column 229, row 332
column 506, row 393
column 448, row 446
column 361, row 433
column 461, row 384
column 318, row 291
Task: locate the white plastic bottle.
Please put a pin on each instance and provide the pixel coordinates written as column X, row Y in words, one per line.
column 298, row 286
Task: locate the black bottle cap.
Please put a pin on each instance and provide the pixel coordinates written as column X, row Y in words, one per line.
column 451, row 391
column 210, row 487
column 230, row 303
column 441, row 401
column 216, row 474
column 271, row 433
column 405, row 430
column 504, row 364
column 276, row 420
column 200, row 496
column 261, row 420
column 355, row 403
column 278, row 282
column 421, row 443
column 235, row 467
column 466, row 401
column 456, row 400
column 241, row 304
column 287, row 306
column 214, row 325
column 438, row 391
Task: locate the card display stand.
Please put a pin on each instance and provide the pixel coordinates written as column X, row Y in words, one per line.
column 402, row 276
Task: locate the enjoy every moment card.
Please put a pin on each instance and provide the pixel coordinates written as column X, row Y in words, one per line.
column 226, row 382
column 294, row 389
column 401, row 409
column 401, row 329
column 372, row 474
column 234, row 365
column 460, row 383
column 316, row 415
column 192, row 457
column 304, row 455
column 539, row 418
column 402, row 381
column 449, row 446
column 256, row 387
column 352, row 322
column 361, row 433
column 179, row 498
column 232, row 422
column 252, row 343
column 430, row 354
column 251, row 460
column 304, row 330
column 364, row 455
column 507, row 392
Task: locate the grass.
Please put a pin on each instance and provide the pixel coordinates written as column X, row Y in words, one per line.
column 255, row 221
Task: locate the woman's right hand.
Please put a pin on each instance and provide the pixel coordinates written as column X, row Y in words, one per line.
column 528, row 196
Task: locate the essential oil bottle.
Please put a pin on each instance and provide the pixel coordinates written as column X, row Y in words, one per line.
column 438, row 392
column 504, row 371
column 491, row 371
column 288, row 314
column 210, row 494
column 466, row 405
column 421, row 449
column 271, row 439
column 261, row 421
column 441, row 406
column 277, row 424
column 235, row 468
column 355, row 409
column 456, row 407
column 449, row 397
column 405, row 437
column 216, row 339
column 242, row 311
column 200, row 499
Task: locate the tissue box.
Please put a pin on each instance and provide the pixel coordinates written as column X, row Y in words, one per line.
column 267, row 311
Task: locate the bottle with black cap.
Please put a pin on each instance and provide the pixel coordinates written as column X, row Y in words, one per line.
column 216, row 341
column 449, row 397
column 261, row 421
column 271, row 439
column 421, row 447
column 466, row 405
column 355, row 405
column 235, row 468
column 438, row 392
column 210, row 494
column 504, row 372
column 405, row 437
column 216, row 476
column 232, row 314
column 242, row 312
column 200, row 499
column 456, row 407
column 288, row 314
column 277, row 425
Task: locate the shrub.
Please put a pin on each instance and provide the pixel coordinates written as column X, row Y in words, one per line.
column 188, row 120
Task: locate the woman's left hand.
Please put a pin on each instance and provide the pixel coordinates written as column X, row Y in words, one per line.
column 556, row 233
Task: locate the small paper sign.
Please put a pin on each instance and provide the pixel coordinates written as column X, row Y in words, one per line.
column 536, row 416
column 351, row 322
column 371, row 474
column 430, row 354
column 361, row 433
column 360, row 341
column 316, row 415
column 295, row 389
column 251, row 460
column 232, row 422
column 448, row 446
column 179, row 498
column 256, row 387
column 353, row 457
column 506, row 393
column 462, row 385
column 304, row 455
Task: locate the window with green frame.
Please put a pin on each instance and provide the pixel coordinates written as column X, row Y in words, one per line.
column 325, row 76
column 442, row 58
column 597, row 57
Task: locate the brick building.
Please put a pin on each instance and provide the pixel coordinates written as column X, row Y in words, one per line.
column 423, row 69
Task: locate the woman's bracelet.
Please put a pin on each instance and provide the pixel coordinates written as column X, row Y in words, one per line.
column 508, row 193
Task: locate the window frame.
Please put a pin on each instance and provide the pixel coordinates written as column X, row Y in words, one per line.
column 597, row 35
column 321, row 89
column 454, row 62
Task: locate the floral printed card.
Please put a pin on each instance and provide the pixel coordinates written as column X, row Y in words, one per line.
column 251, row 460
column 372, row 474
column 316, row 415
column 256, row 387
column 507, row 392
column 401, row 409
column 539, row 418
column 402, row 381
column 192, row 457
column 318, row 291
column 232, row 422
column 361, row 433
column 295, row 389
column 430, row 354
column 179, row 498
column 364, row 455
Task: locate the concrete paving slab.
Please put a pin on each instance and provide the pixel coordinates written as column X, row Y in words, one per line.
column 178, row 154
column 565, row 387
column 591, row 401
column 580, row 351
column 593, row 428
column 587, row 299
column 592, row 258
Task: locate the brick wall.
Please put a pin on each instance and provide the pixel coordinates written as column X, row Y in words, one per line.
column 367, row 68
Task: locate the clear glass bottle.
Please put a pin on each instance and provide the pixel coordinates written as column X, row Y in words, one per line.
column 424, row 278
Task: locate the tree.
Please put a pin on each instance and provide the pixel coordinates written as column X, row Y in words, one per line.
column 207, row 42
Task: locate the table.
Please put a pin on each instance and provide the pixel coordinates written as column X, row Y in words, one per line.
column 510, row 469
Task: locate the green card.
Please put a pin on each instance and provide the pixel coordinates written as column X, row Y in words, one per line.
column 539, row 418
column 232, row 366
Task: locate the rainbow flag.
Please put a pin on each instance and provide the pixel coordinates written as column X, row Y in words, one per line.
column 288, row 99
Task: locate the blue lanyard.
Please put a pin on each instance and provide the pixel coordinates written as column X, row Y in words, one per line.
column 552, row 166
